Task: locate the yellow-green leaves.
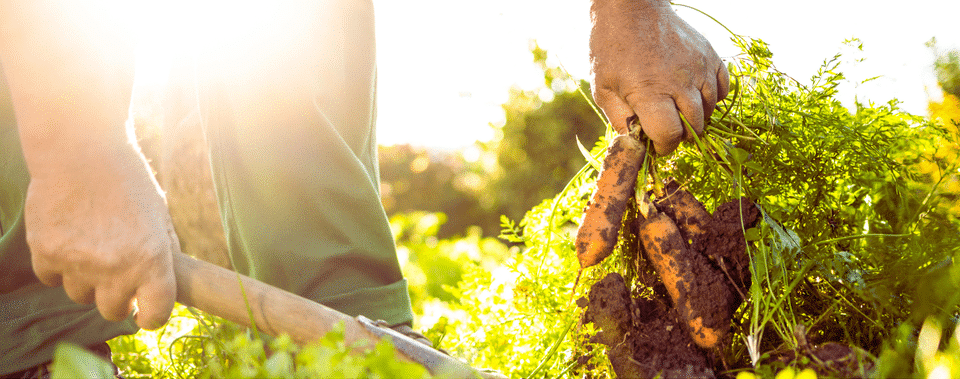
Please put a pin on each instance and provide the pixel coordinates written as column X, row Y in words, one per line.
column 72, row 361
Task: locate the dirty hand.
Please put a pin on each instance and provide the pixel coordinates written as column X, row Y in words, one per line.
column 650, row 63
column 105, row 234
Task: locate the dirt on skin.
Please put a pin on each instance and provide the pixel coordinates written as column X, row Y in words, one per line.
column 644, row 335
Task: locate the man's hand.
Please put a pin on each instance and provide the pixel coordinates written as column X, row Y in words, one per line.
column 95, row 220
column 104, row 233
column 650, row 63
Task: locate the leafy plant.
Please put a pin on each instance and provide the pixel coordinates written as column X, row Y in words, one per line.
column 850, row 245
column 195, row 345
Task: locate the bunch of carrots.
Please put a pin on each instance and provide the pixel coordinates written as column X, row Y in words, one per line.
column 660, row 238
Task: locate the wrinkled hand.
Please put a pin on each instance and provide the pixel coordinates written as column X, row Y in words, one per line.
column 105, row 234
column 650, row 63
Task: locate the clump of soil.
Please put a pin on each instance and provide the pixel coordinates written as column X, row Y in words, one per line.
column 644, row 334
column 726, row 246
column 830, row 359
column 644, row 337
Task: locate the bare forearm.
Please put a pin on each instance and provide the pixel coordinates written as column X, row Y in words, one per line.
column 596, row 5
column 95, row 222
column 618, row 11
column 70, row 69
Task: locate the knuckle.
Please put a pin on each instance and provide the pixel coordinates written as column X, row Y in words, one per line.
column 603, row 96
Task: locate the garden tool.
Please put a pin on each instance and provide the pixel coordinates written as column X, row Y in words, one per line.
column 227, row 294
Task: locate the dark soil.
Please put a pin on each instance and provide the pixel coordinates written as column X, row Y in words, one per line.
column 643, row 334
column 644, row 337
column 703, row 295
column 726, row 247
column 830, row 359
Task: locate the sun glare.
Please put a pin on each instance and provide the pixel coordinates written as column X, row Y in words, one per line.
column 169, row 31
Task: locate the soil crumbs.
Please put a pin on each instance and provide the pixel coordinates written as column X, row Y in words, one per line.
column 644, row 337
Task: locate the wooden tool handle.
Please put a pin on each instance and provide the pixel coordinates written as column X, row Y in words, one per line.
column 216, row 290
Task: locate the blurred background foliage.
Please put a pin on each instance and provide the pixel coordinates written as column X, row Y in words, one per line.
column 531, row 158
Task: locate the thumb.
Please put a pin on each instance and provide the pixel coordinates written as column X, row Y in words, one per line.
column 155, row 300
column 158, row 294
column 660, row 123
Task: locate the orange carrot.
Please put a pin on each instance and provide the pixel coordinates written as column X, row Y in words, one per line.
column 687, row 212
column 598, row 233
column 696, row 289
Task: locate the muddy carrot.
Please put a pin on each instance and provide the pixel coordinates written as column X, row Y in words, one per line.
column 696, row 291
column 688, row 213
column 601, row 225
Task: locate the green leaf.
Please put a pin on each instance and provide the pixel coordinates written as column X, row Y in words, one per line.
column 72, row 361
column 597, row 165
column 739, row 155
column 788, row 239
column 756, row 167
column 279, row 365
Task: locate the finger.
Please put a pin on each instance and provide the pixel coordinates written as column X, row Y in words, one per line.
column 78, row 290
column 114, row 302
column 155, row 301
column 42, row 270
column 48, row 277
column 615, row 108
column 660, row 122
column 723, row 82
column 708, row 97
column 691, row 106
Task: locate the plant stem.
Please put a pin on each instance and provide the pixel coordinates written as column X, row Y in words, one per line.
column 553, row 349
